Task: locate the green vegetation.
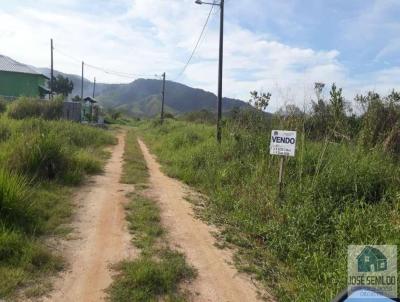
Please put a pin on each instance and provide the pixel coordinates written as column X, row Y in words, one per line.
column 144, row 222
column 148, row 279
column 135, row 169
column 159, row 271
column 25, row 107
column 342, row 188
column 3, row 105
column 62, row 85
column 38, row 160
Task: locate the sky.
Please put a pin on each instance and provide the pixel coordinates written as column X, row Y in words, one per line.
column 277, row 46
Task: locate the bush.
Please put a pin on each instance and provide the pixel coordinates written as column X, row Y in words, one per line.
column 335, row 194
column 49, row 150
column 202, row 116
column 25, row 107
column 20, row 258
column 3, row 105
column 15, row 207
column 39, row 155
column 5, row 130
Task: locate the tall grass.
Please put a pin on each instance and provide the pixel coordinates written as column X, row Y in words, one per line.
column 336, row 194
column 25, row 107
column 38, row 158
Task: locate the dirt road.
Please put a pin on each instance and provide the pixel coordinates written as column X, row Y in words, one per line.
column 217, row 281
column 101, row 232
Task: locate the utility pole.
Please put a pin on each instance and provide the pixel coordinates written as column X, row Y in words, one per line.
column 51, row 69
column 163, row 99
column 221, row 4
column 220, row 71
column 83, row 66
column 94, row 86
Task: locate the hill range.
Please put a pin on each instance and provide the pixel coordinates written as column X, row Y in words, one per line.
column 142, row 97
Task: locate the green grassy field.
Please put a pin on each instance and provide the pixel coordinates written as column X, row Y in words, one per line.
column 157, row 273
column 40, row 163
column 336, row 194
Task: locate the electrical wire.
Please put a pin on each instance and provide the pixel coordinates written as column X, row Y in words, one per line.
column 107, row 71
column 129, row 75
column 197, row 43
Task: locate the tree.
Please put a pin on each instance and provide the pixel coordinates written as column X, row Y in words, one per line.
column 337, row 103
column 76, row 98
column 337, row 110
column 62, row 85
column 318, row 88
column 259, row 100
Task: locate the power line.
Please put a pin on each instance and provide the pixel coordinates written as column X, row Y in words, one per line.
column 120, row 73
column 107, row 71
column 197, row 43
column 67, row 56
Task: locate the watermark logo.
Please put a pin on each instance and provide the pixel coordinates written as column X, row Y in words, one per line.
column 373, row 266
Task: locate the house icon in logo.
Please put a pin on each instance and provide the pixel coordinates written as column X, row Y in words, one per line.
column 371, row 260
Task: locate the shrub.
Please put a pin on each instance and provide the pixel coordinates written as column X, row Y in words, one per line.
column 15, row 208
column 40, row 155
column 202, row 116
column 20, row 258
column 5, row 130
column 3, row 105
column 88, row 163
column 32, row 152
column 30, row 107
column 335, row 194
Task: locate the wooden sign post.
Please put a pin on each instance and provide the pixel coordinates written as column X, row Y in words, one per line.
column 283, row 143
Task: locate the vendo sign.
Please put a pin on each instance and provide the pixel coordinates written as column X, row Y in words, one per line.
column 283, row 142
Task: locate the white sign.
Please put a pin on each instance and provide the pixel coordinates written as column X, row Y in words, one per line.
column 283, row 142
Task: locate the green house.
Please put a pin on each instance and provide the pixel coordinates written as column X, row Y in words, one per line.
column 17, row 79
column 371, row 260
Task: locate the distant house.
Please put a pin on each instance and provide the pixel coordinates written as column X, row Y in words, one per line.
column 371, row 260
column 91, row 111
column 17, row 79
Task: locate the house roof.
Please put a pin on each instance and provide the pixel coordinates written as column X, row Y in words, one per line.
column 8, row 64
column 90, row 99
column 44, row 89
column 377, row 253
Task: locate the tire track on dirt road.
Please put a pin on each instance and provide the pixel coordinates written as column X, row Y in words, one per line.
column 102, row 235
column 217, row 280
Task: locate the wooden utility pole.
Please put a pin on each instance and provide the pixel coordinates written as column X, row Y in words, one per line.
column 51, row 69
column 83, row 66
column 220, row 71
column 94, row 86
column 163, row 99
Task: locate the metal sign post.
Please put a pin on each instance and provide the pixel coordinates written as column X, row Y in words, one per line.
column 283, row 143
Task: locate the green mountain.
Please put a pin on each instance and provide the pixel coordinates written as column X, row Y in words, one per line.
column 142, row 97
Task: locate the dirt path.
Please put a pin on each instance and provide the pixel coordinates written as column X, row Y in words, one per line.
column 217, row 281
column 101, row 232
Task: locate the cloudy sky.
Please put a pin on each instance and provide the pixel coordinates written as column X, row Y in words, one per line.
column 281, row 46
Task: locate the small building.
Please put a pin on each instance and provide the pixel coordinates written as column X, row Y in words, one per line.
column 92, row 111
column 371, row 260
column 17, row 79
